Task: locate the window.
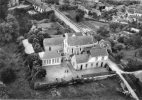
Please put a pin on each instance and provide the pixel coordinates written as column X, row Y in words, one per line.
column 86, row 66
column 46, row 61
column 102, row 58
column 52, row 60
column 102, row 64
column 81, row 67
column 57, row 60
column 49, row 61
column 96, row 64
column 92, row 64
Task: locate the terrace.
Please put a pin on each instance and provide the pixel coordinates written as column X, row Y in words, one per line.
column 65, row 72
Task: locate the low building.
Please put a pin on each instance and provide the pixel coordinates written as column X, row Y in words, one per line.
column 76, row 44
column 51, row 58
column 95, row 58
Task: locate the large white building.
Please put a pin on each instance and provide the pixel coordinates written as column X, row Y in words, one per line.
column 96, row 57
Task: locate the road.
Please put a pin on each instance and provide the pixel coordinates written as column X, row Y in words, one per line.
column 115, row 68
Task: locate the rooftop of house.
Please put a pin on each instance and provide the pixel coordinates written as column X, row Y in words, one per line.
column 53, row 41
column 98, row 51
column 82, row 58
column 51, row 54
column 80, row 40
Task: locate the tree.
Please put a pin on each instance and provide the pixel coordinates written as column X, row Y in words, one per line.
column 52, row 17
column 8, row 75
column 121, row 39
column 97, row 37
column 137, row 42
column 24, row 21
column 119, row 56
column 40, row 37
column 114, row 26
column 9, row 30
column 31, row 38
column 59, row 32
column 41, row 73
column 103, row 32
column 37, row 47
column 79, row 16
column 3, row 8
column 66, row 2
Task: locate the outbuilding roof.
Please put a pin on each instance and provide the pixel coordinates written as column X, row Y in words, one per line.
column 51, row 54
column 98, row 51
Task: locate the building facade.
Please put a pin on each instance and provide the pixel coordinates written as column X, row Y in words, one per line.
column 95, row 58
column 51, row 58
column 76, row 44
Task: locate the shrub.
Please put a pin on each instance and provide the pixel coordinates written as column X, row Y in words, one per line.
column 8, row 75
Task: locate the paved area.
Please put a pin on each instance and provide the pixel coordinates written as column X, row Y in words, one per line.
column 57, row 73
column 65, row 71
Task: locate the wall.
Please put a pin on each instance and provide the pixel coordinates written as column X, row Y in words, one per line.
column 57, row 63
column 67, row 21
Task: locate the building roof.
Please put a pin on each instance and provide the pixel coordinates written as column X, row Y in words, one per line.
column 131, row 10
column 53, row 41
column 80, row 40
column 51, row 54
column 98, row 51
column 82, row 58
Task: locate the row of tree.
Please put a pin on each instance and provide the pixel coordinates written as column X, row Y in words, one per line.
column 9, row 29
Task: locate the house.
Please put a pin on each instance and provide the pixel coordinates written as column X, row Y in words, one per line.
column 135, row 30
column 53, row 44
column 51, row 58
column 76, row 44
column 95, row 58
column 134, row 12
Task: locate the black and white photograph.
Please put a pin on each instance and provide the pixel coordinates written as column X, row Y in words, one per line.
column 71, row 49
